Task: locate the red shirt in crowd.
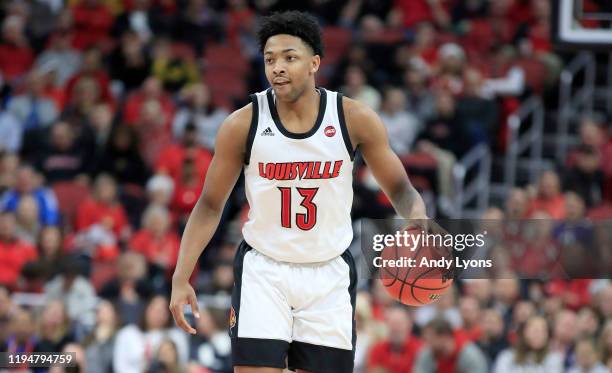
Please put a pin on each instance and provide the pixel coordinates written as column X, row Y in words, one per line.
column 13, row 255
column 91, row 212
column 448, row 364
column 133, row 105
column 15, row 61
column 156, row 250
column 100, row 76
column 171, row 159
column 185, row 198
column 384, row 356
column 555, row 206
column 92, row 25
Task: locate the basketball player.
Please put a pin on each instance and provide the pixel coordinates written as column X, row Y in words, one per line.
column 293, row 301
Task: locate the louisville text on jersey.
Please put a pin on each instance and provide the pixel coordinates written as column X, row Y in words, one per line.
column 300, row 170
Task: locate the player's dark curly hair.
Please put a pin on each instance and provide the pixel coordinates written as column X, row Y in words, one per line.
column 299, row 24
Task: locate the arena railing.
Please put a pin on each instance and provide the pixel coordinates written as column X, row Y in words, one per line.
column 480, row 159
column 569, row 102
column 521, row 140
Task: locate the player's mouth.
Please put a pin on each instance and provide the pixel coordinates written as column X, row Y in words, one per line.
column 280, row 82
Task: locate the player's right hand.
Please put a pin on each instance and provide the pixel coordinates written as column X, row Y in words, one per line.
column 183, row 294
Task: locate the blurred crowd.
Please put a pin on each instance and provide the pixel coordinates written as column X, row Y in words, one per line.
column 108, row 116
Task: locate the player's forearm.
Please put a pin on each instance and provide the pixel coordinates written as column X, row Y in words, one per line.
column 407, row 202
column 200, row 228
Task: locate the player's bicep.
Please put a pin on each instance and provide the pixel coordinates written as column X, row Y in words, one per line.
column 378, row 155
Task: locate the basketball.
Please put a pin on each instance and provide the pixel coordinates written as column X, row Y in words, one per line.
column 418, row 274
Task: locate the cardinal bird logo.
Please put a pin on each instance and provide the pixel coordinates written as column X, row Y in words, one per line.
column 232, row 318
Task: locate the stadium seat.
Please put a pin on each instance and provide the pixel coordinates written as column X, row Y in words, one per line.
column 69, row 195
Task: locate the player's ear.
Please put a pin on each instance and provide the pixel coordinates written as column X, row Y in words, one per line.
column 315, row 63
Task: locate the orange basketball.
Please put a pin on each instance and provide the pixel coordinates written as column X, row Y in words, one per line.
column 422, row 282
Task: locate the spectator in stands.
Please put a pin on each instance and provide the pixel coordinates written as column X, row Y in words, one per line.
column 151, row 89
column 156, row 241
column 445, row 352
column 160, row 190
column 516, row 204
column 199, row 110
column 479, row 114
column 63, row 159
column 16, row 56
column 154, row 134
column 588, row 323
column 564, row 336
column 209, row 346
column 398, row 352
column 549, row 197
column 74, row 291
column 415, row 11
column 91, row 68
column 587, row 358
column 130, row 63
column 55, row 330
column 60, row 57
column 139, row 19
column 402, row 126
column 129, row 290
column 166, row 358
column 605, row 344
column 104, row 208
column 492, row 340
column 50, row 249
column 32, row 109
column 26, row 185
column 101, row 121
column 7, row 308
column 356, row 87
column 14, row 253
column 135, row 345
column 197, row 24
column 92, row 23
column 186, row 191
column 122, row 158
column 174, row 71
column 11, row 132
column 585, row 176
column 100, row 343
column 171, row 158
column 604, row 302
column 21, row 332
column 26, row 217
column 420, row 99
column 531, row 351
column 449, row 69
column 471, row 316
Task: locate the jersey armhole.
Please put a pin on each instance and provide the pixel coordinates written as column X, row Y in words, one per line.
column 252, row 129
column 343, row 128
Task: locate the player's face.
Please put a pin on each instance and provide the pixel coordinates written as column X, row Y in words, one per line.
column 290, row 65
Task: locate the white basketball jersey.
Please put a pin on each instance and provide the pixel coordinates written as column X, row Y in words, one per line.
column 299, row 185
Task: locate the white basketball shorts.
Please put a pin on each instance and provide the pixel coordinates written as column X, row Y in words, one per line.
column 299, row 316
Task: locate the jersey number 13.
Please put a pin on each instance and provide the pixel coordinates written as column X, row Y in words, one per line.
column 304, row 221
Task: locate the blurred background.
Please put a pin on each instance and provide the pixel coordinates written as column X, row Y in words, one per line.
column 108, row 116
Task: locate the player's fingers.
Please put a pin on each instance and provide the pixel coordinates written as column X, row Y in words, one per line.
column 194, row 306
column 179, row 318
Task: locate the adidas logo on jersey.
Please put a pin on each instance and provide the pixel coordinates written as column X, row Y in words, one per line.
column 267, row 132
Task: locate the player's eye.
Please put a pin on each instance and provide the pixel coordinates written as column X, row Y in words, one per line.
column 291, row 58
column 268, row 61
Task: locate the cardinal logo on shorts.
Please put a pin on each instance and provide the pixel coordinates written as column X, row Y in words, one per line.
column 232, row 318
column 330, row 131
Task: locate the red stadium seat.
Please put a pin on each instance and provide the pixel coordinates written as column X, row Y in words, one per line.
column 69, row 195
column 225, row 58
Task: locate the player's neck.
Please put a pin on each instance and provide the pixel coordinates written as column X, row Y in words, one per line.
column 302, row 107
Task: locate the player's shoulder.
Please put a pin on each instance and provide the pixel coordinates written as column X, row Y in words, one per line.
column 360, row 118
column 234, row 130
